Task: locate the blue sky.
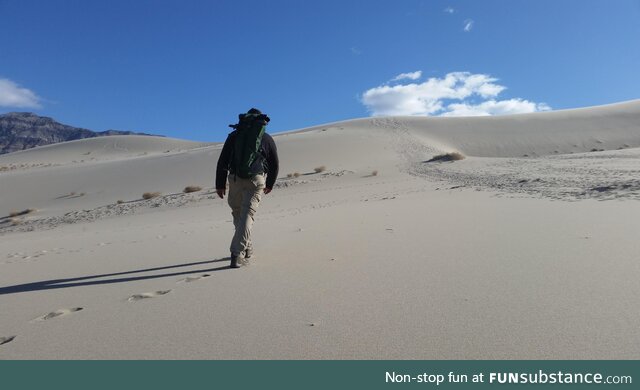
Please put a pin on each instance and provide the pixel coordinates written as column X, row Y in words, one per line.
column 185, row 69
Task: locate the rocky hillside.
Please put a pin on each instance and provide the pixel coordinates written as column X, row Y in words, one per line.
column 24, row 130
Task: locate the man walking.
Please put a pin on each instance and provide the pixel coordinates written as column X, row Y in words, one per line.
column 250, row 156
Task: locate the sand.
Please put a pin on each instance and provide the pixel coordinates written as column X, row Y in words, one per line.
column 496, row 256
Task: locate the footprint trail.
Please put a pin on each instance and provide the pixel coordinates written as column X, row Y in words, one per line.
column 57, row 313
column 138, row 297
column 190, row 279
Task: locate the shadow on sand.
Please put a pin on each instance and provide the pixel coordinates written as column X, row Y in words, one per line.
column 88, row 280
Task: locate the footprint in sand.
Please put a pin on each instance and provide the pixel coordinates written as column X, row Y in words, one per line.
column 190, row 279
column 4, row 340
column 57, row 313
column 138, row 297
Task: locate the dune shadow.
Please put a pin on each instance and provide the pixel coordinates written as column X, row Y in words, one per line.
column 92, row 280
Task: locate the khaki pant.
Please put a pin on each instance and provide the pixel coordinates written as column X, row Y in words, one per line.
column 244, row 198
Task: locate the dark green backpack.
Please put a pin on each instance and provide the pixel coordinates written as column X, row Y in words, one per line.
column 249, row 130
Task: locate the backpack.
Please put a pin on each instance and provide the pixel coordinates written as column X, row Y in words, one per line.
column 249, row 131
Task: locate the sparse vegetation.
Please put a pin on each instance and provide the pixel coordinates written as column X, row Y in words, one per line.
column 289, row 175
column 150, row 195
column 120, row 201
column 20, row 213
column 374, row 173
column 452, row 156
column 319, row 169
column 189, row 189
column 296, row 174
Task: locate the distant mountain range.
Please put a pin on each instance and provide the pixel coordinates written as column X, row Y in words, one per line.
column 25, row 130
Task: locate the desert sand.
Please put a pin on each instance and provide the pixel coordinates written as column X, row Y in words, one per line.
column 525, row 249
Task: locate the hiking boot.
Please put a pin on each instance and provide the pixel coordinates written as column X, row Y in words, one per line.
column 236, row 261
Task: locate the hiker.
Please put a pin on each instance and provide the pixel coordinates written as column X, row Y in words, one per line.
column 249, row 154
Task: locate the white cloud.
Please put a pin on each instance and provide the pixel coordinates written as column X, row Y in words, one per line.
column 13, row 95
column 468, row 25
column 493, row 107
column 448, row 96
column 408, row 76
column 355, row 51
column 449, row 10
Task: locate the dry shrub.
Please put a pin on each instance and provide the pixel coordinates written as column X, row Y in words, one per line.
column 289, row 175
column 452, row 156
column 374, row 173
column 19, row 213
column 296, row 174
column 319, row 169
column 150, row 195
column 120, row 201
column 189, row 189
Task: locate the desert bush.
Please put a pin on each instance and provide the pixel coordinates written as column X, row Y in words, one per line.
column 296, row 174
column 289, row 175
column 189, row 189
column 120, row 201
column 452, row 156
column 319, row 169
column 374, row 173
column 150, row 195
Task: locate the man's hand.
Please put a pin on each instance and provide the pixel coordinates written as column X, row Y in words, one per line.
column 221, row 192
column 267, row 190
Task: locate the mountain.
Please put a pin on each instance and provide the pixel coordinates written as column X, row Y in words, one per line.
column 25, row 130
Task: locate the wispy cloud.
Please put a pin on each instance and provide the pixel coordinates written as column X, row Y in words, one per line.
column 468, row 25
column 456, row 94
column 355, row 51
column 408, row 76
column 13, row 95
column 449, row 10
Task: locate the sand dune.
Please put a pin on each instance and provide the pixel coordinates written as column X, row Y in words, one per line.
column 498, row 255
column 608, row 127
column 98, row 149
